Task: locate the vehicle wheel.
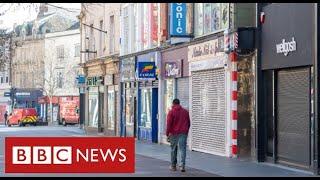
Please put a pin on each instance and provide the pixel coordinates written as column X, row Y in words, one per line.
column 64, row 122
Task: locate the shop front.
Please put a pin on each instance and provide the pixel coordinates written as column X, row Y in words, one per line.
column 111, row 81
column 128, row 97
column 210, row 98
column 287, row 56
column 175, row 84
column 147, row 97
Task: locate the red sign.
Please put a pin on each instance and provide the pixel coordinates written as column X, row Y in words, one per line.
column 69, row 155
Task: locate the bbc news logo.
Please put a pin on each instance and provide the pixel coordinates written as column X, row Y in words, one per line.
column 69, row 155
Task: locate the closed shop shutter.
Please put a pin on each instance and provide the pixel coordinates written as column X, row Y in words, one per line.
column 293, row 117
column 209, row 111
column 183, row 91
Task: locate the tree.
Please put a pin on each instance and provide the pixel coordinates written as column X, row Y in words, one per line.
column 12, row 7
column 5, row 48
column 59, row 72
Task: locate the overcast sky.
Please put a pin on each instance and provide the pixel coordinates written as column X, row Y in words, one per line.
column 21, row 15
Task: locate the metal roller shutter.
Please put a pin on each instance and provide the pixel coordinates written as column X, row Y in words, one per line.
column 209, row 111
column 293, row 117
column 183, row 91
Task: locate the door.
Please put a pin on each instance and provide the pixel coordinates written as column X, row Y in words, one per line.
column 145, row 114
column 293, row 117
column 100, row 104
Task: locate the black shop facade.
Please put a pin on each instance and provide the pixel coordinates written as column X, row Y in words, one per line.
column 286, row 131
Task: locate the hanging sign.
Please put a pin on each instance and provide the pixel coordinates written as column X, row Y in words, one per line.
column 146, row 70
column 172, row 69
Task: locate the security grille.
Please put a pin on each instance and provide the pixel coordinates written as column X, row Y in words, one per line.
column 183, row 91
column 293, row 117
column 209, row 111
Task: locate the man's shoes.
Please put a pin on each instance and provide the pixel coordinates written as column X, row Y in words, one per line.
column 173, row 168
column 182, row 169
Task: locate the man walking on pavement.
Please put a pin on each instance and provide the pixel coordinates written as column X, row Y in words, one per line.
column 178, row 124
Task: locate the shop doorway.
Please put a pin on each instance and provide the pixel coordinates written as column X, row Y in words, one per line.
column 293, row 117
column 288, row 116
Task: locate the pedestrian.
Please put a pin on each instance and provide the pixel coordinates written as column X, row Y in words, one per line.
column 178, row 124
column 5, row 117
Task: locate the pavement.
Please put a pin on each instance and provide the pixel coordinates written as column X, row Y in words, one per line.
column 154, row 159
column 145, row 166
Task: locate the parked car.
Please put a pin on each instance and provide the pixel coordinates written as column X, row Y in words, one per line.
column 23, row 116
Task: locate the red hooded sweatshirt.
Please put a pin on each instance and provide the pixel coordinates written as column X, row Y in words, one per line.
column 178, row 121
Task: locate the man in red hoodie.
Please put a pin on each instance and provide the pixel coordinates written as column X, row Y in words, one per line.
column 178, row 124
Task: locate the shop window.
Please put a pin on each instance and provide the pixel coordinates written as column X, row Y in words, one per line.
column 1, row 80
column 129, row 107
column 210, row 18
column 93, row 110
column 146, row 104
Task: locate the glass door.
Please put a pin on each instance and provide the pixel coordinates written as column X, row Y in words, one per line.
column 146, row 104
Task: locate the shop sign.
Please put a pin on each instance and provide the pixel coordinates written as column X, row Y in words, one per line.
column 206, row 50
column 146, row 70
column 172, row 69
column 286, row 47
column 178, row 19
column 108, row 79
column 95, row 81
column 217, row 62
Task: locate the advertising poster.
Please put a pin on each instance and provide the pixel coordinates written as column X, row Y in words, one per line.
column 224, row 15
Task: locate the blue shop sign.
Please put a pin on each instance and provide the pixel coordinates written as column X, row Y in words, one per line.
column 146, row 70
column 178, row 19
column 81, row 79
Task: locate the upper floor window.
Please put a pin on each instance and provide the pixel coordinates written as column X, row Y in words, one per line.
column 101, row 38
column 77, row 50
column 60, row 52
column 210, row 17
column 112, row 38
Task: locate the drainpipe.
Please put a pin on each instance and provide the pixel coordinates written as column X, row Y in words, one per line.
column 315, row 127
column 259, row 122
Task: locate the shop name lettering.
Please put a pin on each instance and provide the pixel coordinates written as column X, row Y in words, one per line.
column 207, row 49
column 286, row 47
column 179, row 17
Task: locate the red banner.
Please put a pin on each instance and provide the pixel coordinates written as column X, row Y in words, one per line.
column 69, row 155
